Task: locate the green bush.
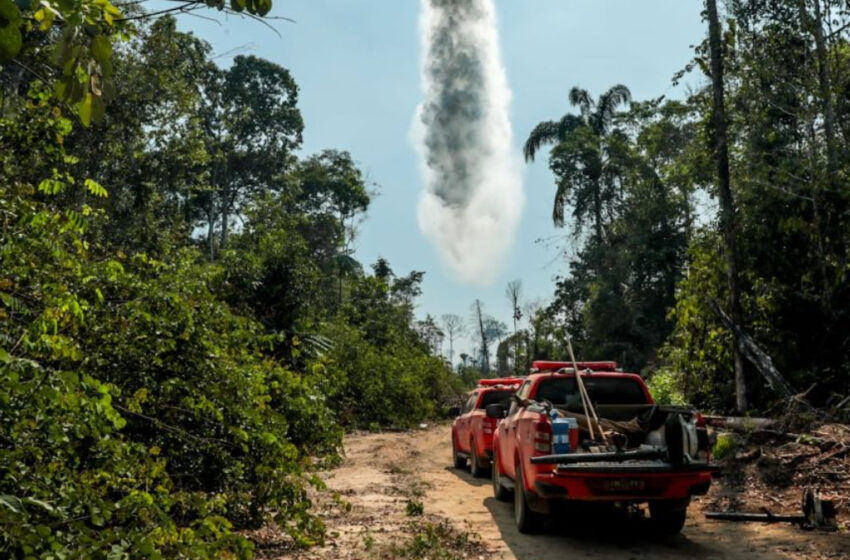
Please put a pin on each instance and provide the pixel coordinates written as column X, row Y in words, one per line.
column 725, row 447
column 139, row 417
column 664, row 385
column 392, row 384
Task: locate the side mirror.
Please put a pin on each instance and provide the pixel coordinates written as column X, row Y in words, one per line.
column 495, row 410
column 454, row 411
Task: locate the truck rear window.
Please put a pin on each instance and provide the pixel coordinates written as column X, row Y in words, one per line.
column 563, row 391
column 493, row 397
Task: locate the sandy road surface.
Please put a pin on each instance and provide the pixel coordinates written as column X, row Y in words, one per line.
column 383, row 471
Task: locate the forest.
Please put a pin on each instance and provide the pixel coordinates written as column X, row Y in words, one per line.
column 639, row 187
column 186, row 335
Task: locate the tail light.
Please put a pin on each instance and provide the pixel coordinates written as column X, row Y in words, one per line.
column 541, row 434
column 489, row 425
column 700, row 421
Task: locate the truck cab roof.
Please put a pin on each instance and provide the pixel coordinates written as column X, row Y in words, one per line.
column 604, row 387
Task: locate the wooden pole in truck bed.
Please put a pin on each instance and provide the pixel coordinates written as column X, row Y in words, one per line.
column 589, row 411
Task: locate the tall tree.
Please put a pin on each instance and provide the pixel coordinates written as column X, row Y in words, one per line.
column 431, row 334
column 813, row 23
column 513, row 291
column 479, row 319
column 331, row 185
column 727, row 202
column 252, row 126
column 581, row 158
column 454, row 327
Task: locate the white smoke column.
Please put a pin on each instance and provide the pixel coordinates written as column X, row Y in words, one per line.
column 473, row 195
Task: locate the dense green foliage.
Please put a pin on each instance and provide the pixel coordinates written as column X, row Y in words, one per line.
column 645, row 275
column 185, row 334
column 168, row 379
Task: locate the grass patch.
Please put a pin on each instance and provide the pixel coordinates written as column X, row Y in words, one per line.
column 414, row 508
column 436, row 541
column 395, row 468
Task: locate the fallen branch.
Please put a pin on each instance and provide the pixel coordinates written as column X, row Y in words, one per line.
column 840, row 452
column 755, row 355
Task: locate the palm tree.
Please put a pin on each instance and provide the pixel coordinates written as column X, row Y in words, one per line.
column 581, row 156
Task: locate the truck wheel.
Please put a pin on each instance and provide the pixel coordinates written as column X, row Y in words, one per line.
column 668, row 516
column 475, row 466
column 459, row 461
column 499, row 492
column 526, row 520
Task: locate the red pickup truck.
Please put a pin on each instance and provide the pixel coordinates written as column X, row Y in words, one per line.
column 472, row 430
column 660, row 458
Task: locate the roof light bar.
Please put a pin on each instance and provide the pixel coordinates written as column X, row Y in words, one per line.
column 544, row 365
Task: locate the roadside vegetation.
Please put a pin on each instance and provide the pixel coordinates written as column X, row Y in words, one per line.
column 184, row 334
column 637, row 192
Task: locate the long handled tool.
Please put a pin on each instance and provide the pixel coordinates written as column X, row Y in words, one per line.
column 586, row 404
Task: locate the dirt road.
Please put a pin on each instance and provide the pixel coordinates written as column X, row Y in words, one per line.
column 383, row 473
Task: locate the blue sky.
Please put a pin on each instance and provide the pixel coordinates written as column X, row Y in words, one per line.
column 357, row 64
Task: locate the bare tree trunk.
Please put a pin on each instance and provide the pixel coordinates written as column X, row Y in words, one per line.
column 211, row 228
column 825, row 92
column 514, row 293
column 485, row 350
column 597, row 211
column 827, row 108
column 225, row 217
column 818, row 223
column 727, row 202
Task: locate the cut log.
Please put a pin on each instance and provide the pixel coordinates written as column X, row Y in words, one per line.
column 739, row 423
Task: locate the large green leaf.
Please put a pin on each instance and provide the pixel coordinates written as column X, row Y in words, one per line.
column 101, row 49
column 85, row 109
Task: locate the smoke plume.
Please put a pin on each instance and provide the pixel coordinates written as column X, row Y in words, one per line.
column 473, row 189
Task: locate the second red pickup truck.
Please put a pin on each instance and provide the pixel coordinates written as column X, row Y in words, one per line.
column 472, row 430
column 660, row 457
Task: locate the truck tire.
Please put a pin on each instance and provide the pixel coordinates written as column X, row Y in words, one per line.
column 499, row 492
column 668, row 516
column 476, row 469
column 458, row 460
column 527, row 521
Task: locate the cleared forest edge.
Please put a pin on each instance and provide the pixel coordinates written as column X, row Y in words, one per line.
column 383, row 473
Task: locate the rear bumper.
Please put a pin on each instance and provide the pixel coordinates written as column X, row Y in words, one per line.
column 623, row 484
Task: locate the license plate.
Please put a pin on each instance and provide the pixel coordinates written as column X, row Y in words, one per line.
column 623, row 485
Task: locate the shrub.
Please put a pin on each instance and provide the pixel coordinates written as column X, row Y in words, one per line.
column 725, row 447
column 414, row 508
column 664, row 385
column 139, row 417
